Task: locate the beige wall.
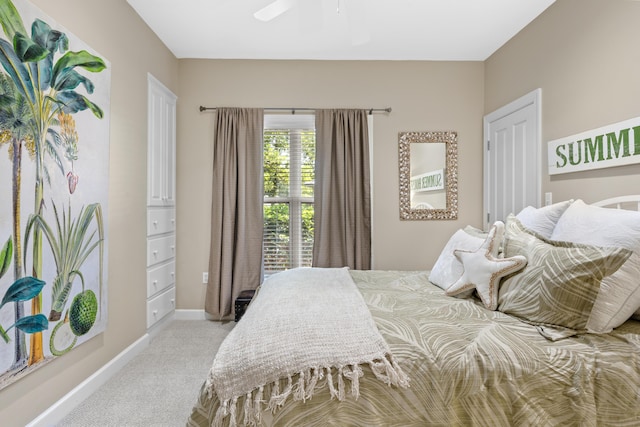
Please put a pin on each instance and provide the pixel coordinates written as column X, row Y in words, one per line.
column 116, row 32
column 584, row 55
column 424, row 96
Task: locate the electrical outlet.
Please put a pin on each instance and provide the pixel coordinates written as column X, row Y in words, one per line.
column 205, row 277
column 548, row 199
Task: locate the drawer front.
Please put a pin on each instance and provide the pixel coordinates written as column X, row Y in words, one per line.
column 160, row 221
column 161, row 305
column 160, row 249
column 161, row 277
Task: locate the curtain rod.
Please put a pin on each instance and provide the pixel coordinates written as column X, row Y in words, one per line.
column 294, row 109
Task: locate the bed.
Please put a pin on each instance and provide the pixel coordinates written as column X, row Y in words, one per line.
column 539, row 329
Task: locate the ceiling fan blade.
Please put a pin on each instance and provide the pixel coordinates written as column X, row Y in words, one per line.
column 273, row 10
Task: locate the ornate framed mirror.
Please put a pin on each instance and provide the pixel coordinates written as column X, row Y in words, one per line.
column 428, row 163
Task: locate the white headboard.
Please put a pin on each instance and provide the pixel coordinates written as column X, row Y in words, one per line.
column 621, row 202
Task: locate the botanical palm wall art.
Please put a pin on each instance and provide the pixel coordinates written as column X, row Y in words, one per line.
column 54, row 168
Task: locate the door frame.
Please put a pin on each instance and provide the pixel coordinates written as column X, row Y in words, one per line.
column 532, row 98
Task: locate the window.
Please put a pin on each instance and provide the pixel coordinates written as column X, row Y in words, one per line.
column 289, row 161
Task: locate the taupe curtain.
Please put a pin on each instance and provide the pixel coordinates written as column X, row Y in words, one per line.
column 342, row 223
column 235, row 257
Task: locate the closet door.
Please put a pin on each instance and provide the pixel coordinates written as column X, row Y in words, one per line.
column 161, row 164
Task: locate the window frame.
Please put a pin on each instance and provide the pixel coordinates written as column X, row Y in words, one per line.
column 296, row 126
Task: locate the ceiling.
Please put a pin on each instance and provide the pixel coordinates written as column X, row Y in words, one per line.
column 441, row 30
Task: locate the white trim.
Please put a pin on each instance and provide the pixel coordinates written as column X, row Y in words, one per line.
column 75, row 397
column 532, row 97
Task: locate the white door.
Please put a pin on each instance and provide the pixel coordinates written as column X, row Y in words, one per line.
column 512, row 158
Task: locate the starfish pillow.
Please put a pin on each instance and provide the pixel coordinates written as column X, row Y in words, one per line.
column 483, row 269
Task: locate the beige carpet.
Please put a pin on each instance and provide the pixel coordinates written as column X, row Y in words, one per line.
column 160, row 385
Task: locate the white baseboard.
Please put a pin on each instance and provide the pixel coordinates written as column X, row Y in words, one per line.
column 65, row 405
column 190, row 315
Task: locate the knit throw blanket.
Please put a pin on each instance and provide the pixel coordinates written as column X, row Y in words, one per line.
column 305, row 328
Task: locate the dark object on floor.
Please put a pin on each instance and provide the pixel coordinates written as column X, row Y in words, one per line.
column 242, row 302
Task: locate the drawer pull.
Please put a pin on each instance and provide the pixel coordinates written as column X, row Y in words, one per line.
column 155, row 223
column 155, row 312
column 155, row 253
column 173, row 274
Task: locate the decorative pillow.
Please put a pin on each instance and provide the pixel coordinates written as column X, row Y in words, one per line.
column 483, row 235
column 543, row 220
column 560, row 283
column 476, row 232
column 483, row 269
column 619, row 295
column 448, row 268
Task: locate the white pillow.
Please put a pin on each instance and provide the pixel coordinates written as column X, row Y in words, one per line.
column 476, row 232
column 448, row 269
column 619, row 295
column 543, row 220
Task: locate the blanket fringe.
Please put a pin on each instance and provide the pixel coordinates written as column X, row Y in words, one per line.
column 388, row 370
column 385, row 369
column 221, row 414
column 332, row 389
column 277, row 398
column 257, row 406
column 354, row 376
column 248, row 407
column 313, row 381
column 340, row 385
column 299, row 393
column 233, row 418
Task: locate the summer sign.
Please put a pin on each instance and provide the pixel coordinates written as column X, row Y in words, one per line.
column 54, row 176
column 614, row 145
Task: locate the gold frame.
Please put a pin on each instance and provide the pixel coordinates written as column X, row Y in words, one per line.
column 450, row 138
